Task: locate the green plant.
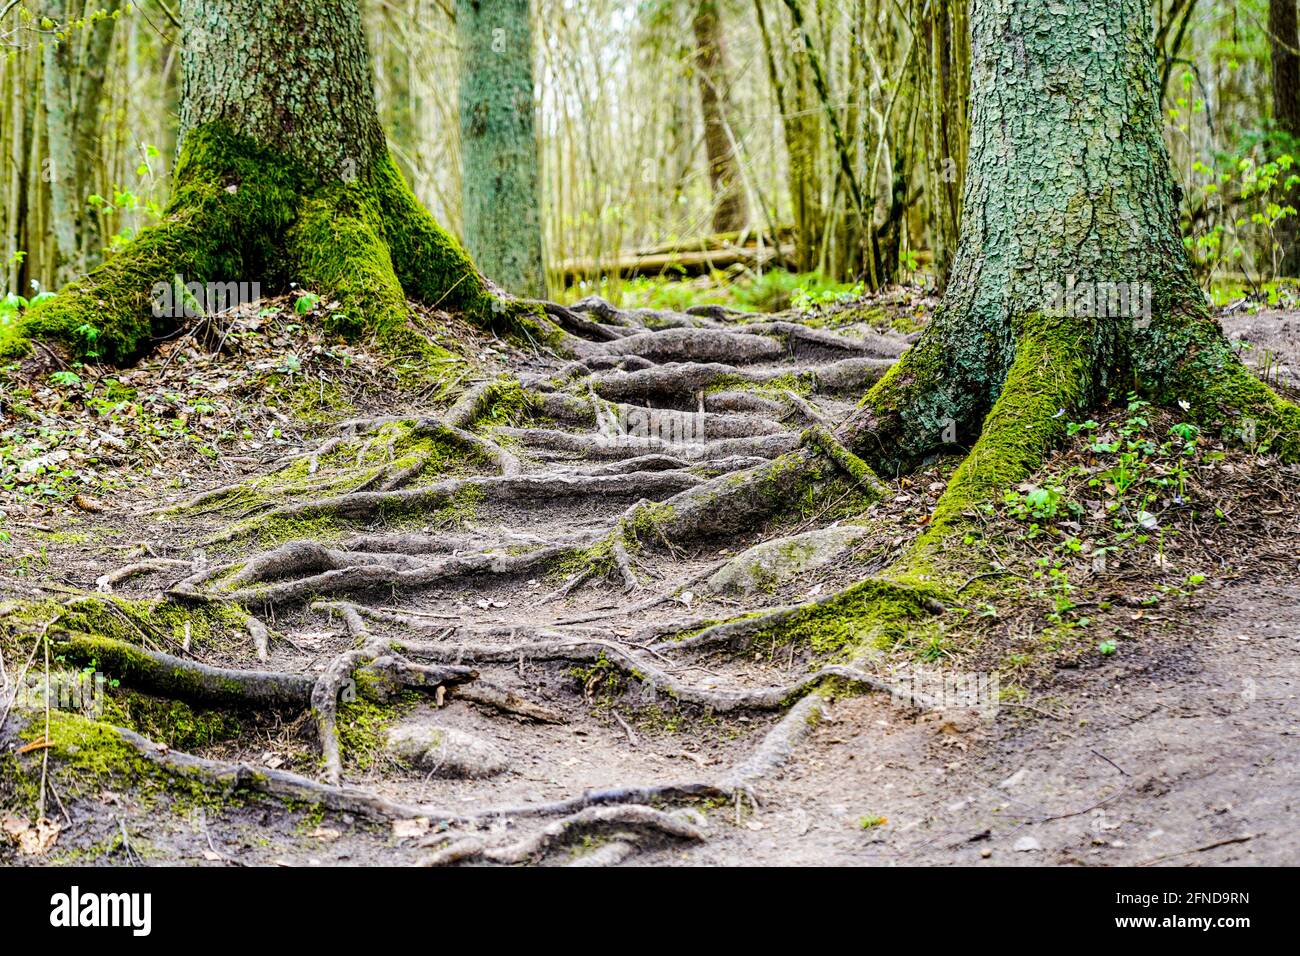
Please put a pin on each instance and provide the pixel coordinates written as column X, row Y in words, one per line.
column 66, row 378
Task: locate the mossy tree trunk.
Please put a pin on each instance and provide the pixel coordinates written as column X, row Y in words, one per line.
column 283, row 176
column 1069, row 232
column 729, row 207
column 498, row 141
column 89, row 110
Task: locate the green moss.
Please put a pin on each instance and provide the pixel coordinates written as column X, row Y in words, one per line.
column 801, row 383
column 458, row 511
column 363, row 725
column 91, row 749
column 231, row 201
column 241, row 212
column 88, row 756
column 318, row 403
column 850, row 315
column 598, row 559
column 506, row 403
column 820, row 437
column 67, row 537
column 125, row 661
column 338, row 246
column 1048, row 379
column 275, row 529
column 873, row 613
column 209, row 626
column 171, row 722
column 1220, row 390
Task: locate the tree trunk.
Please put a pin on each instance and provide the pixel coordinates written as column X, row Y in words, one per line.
column 1070, row 251
column 1285, row 41
column 943, row 51
column 294, row 76
column 729, row 207
column 498, row 142
column 60, row 165
column 283, row 176
column 86, row 125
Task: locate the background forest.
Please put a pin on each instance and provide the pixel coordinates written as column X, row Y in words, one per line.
column 723, row 138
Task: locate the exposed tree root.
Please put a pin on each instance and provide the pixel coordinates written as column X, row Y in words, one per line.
column 669, row 382
column 592, row 821
column 181, row 679
column 329, row 571
column 506, row 701
column 624, row 446
column 233, row 777
column 105, row 583
column 761, row 464
column 368, row 504
column 778, row 744
column 385, row 671
column 549, row 646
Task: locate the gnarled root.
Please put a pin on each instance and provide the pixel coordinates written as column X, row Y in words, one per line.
column 386, row 671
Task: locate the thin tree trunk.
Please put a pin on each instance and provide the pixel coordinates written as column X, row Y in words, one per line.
column 1285, row 41
column 501, row 179
column 87, row 131
column 730, row 212
column 61, row 163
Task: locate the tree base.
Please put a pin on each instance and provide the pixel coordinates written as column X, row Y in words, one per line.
column 242, row 214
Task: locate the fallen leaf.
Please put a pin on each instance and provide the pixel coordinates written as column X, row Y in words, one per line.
column 409, row 829
column 31, row 839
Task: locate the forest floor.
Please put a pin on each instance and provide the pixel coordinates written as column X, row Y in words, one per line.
column 1131, row 623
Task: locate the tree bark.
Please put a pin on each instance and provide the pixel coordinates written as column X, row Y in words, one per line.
column 498, row 141
column 730, row 211
column 60, row 165
column 1068, row 184
column 86, row 124
column 290, row 75
column 1070, row 249
column 1285, row 41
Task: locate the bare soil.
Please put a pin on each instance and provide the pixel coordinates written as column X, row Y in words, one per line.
column 1177, row 746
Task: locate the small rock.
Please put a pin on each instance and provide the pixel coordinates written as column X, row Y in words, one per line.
column 771, row 563
column 446, row 751
column 1027, row 845
column 1014, row 779
column 986, row 853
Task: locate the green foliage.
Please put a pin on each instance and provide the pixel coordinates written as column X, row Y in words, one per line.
column 1236, row 196
column 772, row 291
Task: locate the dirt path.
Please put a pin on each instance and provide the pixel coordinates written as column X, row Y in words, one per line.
column 520, row 623
column 1185, row 754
